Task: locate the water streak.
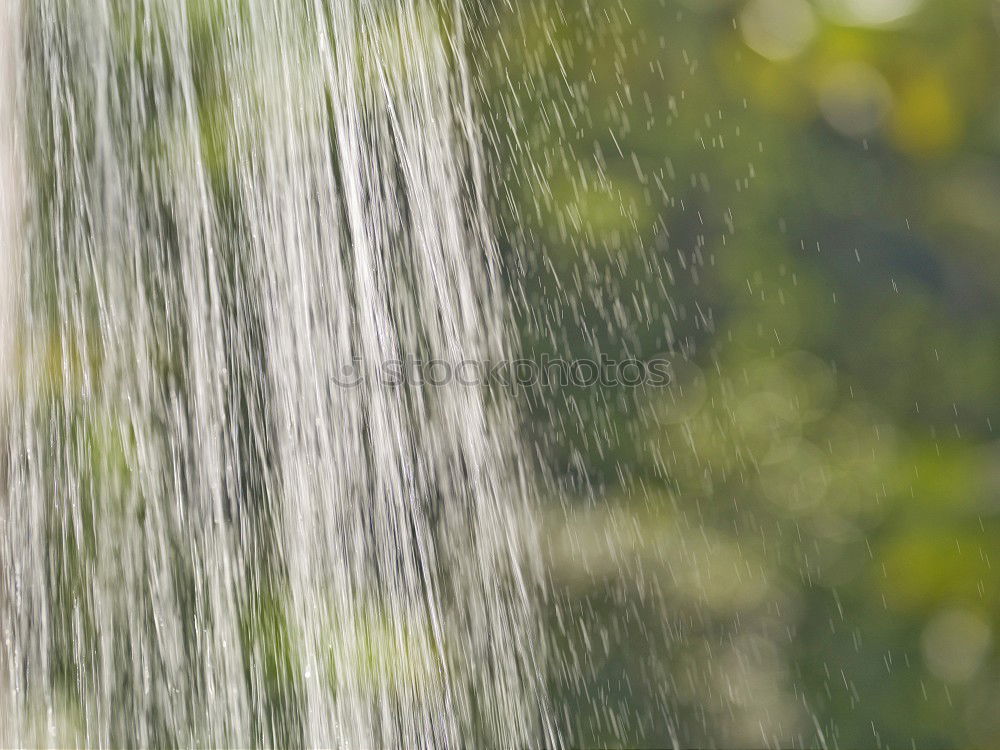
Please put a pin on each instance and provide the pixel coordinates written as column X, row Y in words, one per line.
column 206, row 539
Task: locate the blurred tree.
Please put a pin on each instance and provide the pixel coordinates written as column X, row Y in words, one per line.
column 793, row 543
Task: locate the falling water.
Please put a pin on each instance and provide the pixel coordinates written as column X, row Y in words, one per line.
column 219, row 524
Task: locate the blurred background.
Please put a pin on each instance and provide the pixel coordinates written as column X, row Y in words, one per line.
column 799, row 202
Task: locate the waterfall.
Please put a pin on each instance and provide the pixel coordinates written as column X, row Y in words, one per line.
column 221, row 523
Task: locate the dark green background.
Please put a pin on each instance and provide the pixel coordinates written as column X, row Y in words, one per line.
column 796, row 543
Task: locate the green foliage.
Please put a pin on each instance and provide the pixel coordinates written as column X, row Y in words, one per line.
column 801, row 215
